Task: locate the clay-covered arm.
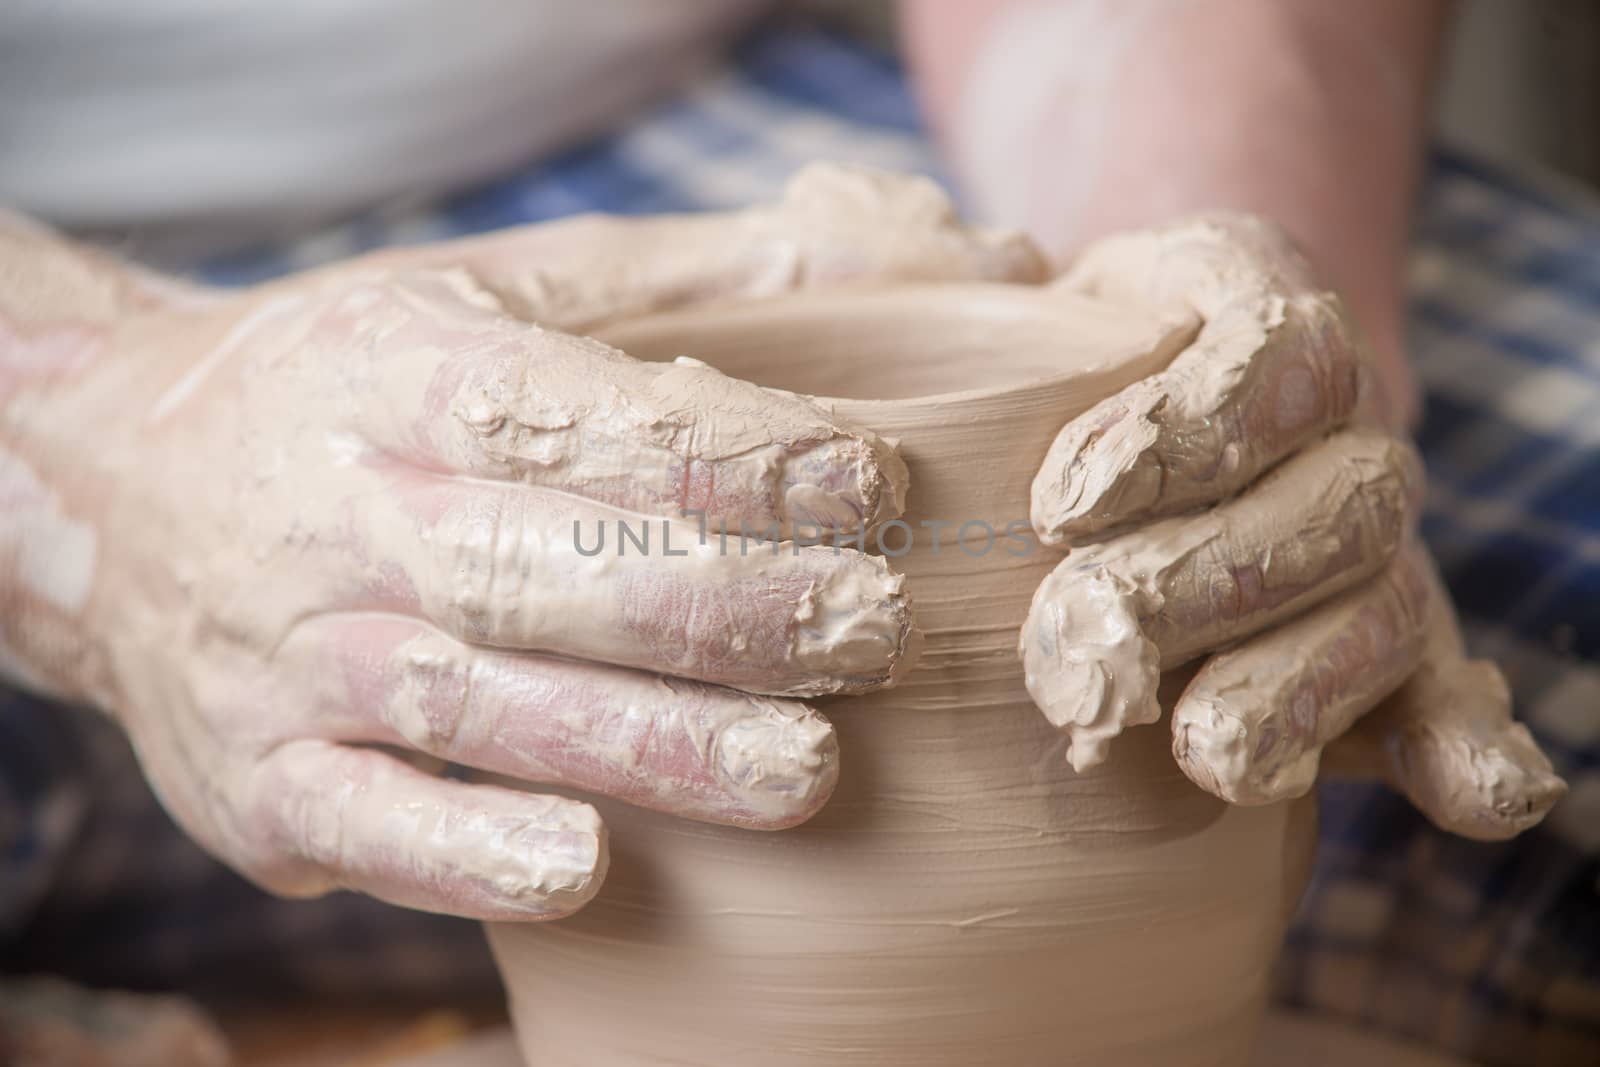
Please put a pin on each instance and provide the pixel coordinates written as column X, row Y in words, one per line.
column 1080, row 118
column 60, row 303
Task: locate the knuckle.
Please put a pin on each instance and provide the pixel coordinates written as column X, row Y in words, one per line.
column 639, row 733
column 435, row 694
column 525, row 407
column 288, row 834
column 483, row 548
column 866, row 194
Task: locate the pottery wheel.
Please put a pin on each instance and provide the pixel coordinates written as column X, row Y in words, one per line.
column 1286, row 1041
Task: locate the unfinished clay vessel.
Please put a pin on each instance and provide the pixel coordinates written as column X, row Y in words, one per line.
column 965, row 898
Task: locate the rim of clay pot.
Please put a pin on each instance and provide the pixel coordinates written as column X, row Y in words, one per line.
column 933, row 329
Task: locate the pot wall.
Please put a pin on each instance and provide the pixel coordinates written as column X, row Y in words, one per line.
column 965, row 898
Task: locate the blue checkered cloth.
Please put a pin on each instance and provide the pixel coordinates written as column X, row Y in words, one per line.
column 1490, row 950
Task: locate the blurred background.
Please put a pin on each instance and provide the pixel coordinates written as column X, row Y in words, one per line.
column 1484, row 949
column 1522, row 80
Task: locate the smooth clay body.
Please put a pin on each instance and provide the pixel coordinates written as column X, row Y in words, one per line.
column 965, row 898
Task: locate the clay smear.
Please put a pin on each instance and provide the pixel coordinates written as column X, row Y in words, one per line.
column 1252, row 725
column 1106, row 624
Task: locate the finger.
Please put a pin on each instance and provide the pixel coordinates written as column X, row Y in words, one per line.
column 331, row 817
column 443, row 379
column 835, row 225
column 692, row 750
column 1447, row 741
column 1276, row 364
column 1251, row 726
column 1113, row 615
column 540, row 571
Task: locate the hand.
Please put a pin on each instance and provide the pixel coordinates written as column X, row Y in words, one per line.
column 298, row 537
column 1246, row 510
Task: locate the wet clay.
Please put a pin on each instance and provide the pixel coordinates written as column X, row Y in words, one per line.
column 966, row 898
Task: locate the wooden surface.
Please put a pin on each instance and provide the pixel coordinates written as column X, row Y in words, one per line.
column 353, row 1037
column 1286, row 1041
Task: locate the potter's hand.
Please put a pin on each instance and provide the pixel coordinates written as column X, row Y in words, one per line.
column 1243, row 499
column 297, row 538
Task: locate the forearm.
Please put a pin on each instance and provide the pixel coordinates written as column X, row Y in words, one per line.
column 1081, row 117
column 60, row 303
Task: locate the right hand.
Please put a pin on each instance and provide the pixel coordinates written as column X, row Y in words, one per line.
column 1245, row 510
column 295, row 536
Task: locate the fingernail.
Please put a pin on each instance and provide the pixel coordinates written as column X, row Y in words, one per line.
column 549, row 865
column 1086, row 661
column 852, row 628
column 1520, row 783
column 1211, row 747
column 844, row 484
column 781, row 760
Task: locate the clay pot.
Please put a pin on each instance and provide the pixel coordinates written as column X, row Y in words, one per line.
column 965, row 898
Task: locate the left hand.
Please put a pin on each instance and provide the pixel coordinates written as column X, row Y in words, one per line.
column 301, row 538
column 1245, row 498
